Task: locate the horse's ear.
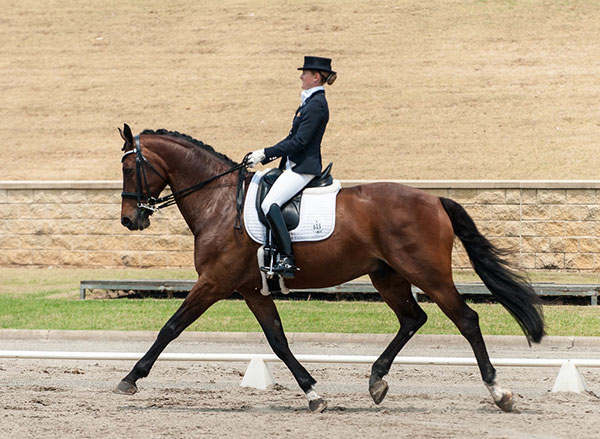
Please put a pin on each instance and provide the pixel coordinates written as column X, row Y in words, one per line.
column 126, row 136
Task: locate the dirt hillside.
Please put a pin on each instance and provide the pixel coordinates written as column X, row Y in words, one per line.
column 447, row 89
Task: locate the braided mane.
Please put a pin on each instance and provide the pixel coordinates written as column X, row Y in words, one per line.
column 189, row 139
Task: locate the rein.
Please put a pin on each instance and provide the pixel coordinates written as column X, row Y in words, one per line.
column 153, row 204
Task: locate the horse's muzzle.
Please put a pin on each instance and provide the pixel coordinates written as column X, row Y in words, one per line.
column 139, row 222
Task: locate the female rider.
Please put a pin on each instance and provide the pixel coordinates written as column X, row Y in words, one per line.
column 300, row 154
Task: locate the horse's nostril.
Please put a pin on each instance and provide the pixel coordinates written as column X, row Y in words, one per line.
column 125, row 221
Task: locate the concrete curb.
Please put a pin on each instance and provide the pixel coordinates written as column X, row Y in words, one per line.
column 554, row 342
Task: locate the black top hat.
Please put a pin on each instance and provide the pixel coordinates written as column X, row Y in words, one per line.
column 317, row 63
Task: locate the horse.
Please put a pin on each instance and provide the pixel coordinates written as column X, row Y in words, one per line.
column 397, row 235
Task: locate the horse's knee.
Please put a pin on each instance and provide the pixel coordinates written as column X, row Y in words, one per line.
column 412, row 323
column 169, row 331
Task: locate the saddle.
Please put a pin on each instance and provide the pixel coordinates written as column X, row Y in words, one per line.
column 291, row 209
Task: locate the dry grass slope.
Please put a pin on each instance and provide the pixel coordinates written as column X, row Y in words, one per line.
column 447, row 89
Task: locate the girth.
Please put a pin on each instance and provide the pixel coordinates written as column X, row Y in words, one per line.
column 291, row 209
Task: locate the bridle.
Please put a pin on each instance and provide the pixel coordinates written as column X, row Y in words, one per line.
column 145, row 200
column 149, row 204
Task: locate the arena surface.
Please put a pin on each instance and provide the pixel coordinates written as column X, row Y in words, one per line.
column 73, row 399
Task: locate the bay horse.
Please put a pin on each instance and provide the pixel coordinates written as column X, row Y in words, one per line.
column 397, row 235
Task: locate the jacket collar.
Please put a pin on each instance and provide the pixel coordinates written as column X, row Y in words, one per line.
column 307, row 94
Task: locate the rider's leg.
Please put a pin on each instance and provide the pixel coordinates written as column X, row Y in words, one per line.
column 285, row 187
column 288, row 184
column 286, row 266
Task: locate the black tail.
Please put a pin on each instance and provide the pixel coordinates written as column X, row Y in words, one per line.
column 512, row 290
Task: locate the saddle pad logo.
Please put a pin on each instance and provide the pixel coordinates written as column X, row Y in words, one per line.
column 317, row 227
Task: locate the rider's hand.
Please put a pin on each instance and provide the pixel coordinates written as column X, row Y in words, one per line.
column 255, row 158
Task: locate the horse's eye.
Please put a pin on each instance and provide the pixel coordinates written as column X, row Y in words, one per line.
column 128, row 172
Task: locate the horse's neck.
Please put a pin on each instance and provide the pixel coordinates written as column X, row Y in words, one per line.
column 189, row 166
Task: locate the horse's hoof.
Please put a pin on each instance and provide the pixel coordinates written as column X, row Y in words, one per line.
column 125, row 388
column 506, row 403
column 378, row 390
column 317, row 405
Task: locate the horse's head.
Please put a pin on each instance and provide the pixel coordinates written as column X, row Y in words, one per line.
column 142, row 183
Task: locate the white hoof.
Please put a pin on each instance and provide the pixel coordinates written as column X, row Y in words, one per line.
column 503, row 398
column 315, row 402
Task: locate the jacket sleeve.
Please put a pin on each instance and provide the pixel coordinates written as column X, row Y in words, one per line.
column 309, row 126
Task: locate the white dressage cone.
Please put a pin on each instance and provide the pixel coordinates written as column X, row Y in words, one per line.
column 569, row 379
column 258, row 375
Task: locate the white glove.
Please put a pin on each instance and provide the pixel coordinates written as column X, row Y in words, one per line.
column 256, row 157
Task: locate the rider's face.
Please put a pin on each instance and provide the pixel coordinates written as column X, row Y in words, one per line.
column 309, row 79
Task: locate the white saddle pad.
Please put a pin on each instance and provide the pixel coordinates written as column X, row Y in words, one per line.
column 317, row 212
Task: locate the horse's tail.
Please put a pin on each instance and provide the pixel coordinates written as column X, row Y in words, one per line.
column 512, row 290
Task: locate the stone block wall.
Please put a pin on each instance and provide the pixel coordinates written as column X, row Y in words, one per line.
column 548, row 225
column 77, row 224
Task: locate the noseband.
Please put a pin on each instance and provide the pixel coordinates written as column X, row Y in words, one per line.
column 147, row 203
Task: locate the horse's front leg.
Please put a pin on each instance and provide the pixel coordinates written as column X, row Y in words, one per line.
column 266, row 313
column 200, row 298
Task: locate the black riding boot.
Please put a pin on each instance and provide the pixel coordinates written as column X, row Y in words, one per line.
column 286, row 266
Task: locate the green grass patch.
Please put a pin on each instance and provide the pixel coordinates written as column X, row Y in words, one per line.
column 48, row 299
column 39, row 312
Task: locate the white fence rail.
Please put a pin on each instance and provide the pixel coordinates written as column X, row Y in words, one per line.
column 258, row 374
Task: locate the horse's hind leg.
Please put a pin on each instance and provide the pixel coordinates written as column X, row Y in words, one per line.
column 396, row 292
column 467, row 322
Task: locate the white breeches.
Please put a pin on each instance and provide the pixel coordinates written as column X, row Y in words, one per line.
column 288, row 184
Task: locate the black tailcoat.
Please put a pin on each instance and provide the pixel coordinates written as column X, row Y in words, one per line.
column 303, row 145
